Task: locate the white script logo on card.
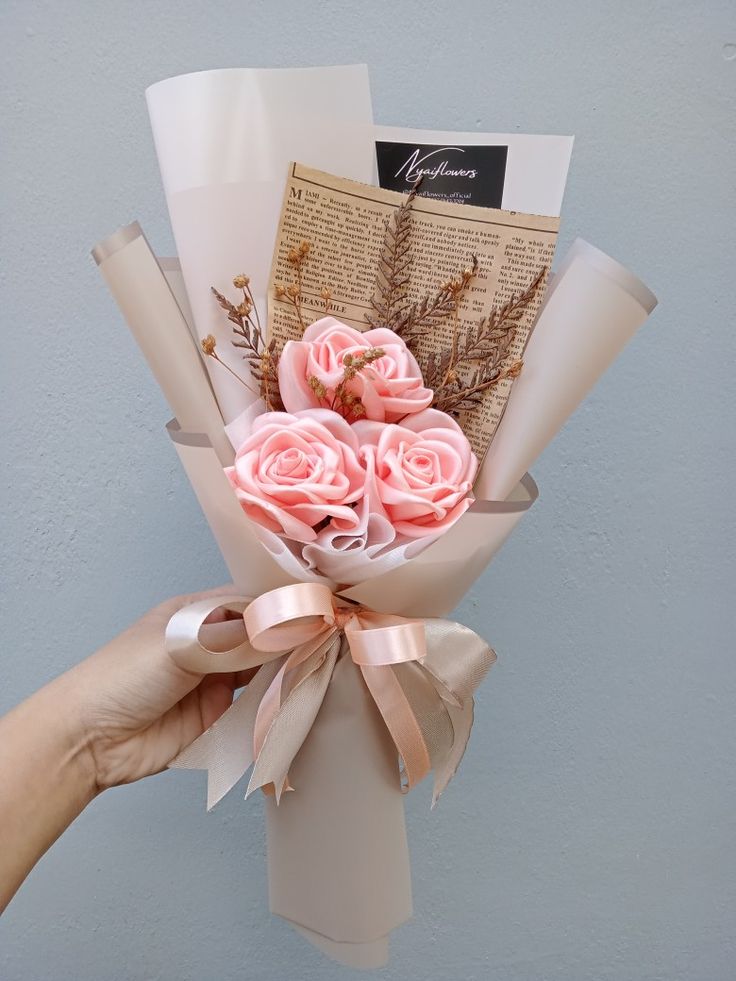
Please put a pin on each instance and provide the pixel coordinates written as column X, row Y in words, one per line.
column 465, row 174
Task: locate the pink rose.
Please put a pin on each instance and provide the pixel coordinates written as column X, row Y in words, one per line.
column 295, row 471
column 389, row 388
column 424, row 470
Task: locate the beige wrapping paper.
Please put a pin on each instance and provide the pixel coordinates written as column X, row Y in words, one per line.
column 344, row 824
column 145, row 299
column 171, row 268
column 432, row 584
column 593, row 308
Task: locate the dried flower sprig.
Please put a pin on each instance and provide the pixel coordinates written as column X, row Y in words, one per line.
column 292, row 293
column 342, row 400
column 209, row 347
column 325, row 294
column 261, row 357
column 475, row 361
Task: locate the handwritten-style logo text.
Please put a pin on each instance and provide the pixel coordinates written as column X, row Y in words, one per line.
column 429, row 167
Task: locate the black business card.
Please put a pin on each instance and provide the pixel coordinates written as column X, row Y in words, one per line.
column 465, row 174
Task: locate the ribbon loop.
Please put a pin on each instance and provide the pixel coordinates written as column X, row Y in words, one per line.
column 185, row 630
column 385, row 642
column 288, row 616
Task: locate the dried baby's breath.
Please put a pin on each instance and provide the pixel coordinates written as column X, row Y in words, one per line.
column 261, row 357
column 342, row 400
column 291, row 293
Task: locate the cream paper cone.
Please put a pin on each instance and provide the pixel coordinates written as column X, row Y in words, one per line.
column 149, row 307
column 338, row 859
column 433, row 583
column 224, row 140
column 594, row 306
column 171, row 268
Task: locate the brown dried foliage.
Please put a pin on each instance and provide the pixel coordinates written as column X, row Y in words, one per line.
column 261, row 357
column 478, row 357
column 391, row 306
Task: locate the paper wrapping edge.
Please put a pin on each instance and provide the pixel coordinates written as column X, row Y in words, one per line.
column 107, row 247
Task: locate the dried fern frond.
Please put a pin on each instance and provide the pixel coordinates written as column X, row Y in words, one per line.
column 461, row 396
column 420, row 318
column 476, row 361
column 390, row 304
column 493, row 331
column 392, row 281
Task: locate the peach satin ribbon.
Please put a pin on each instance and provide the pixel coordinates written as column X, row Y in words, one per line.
column 420, row 673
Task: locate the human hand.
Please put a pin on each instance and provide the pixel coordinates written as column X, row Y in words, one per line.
column 123, row 713
column 135, row 708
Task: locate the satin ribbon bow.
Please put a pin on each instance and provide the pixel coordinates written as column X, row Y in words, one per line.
column 420, row 673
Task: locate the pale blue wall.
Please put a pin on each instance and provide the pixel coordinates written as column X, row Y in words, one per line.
column 590, row 834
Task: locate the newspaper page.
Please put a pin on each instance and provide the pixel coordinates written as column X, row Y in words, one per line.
column 345, row 221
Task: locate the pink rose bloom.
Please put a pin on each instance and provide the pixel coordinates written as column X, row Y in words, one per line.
column 295, row 471
column 389, row 388
column 424, row 471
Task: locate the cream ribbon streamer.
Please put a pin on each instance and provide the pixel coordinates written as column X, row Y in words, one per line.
column 420, row 673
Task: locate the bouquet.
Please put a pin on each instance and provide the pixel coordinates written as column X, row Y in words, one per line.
column 361, row 376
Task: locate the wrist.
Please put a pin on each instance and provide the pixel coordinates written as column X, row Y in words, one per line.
column 75, row 759
column 45, row 777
